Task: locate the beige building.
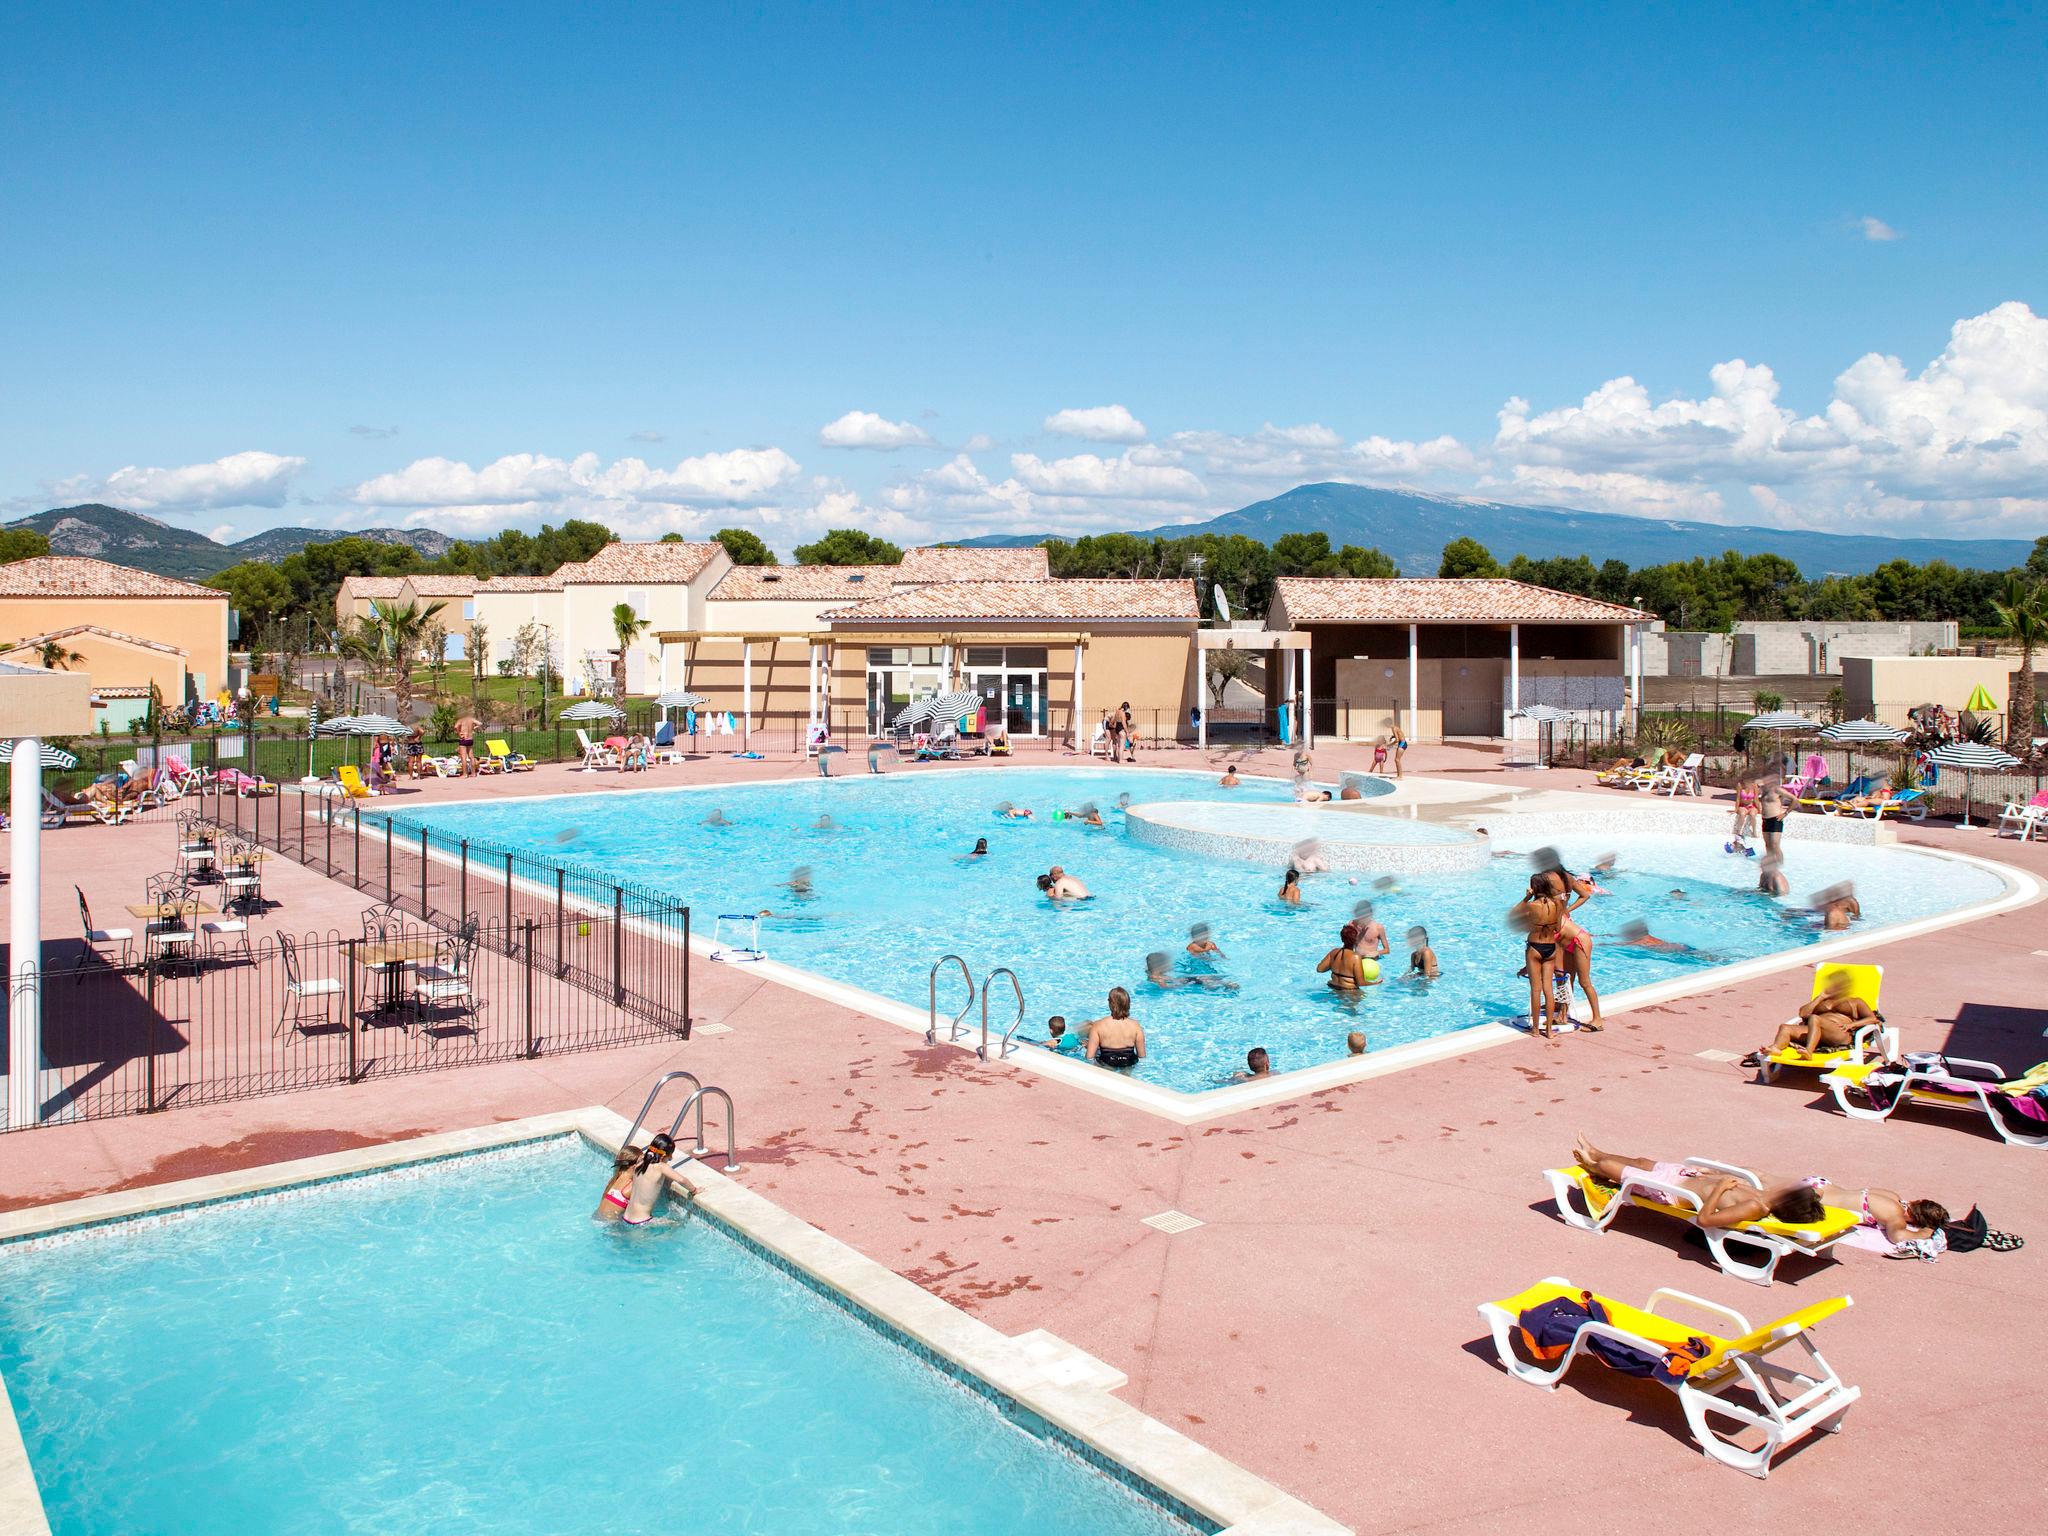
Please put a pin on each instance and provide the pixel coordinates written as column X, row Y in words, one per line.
column 1884, row 688
column 133, row 627
column 356, row 595
column 667, row 585
column 1431, row 657
column 456, row 596
column 506, row 604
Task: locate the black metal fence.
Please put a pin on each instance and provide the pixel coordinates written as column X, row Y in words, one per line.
column 142, row 1026
column 643, row 966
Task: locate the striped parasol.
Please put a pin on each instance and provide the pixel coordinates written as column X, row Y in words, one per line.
column 953, row 706
column 681, row 698
column 1543, row 714
column 1971, row 758
column 1863, row 731
column 374, row 725
column 1781, row 720
column 592, row 709
column 916, row 714
column 55, row 757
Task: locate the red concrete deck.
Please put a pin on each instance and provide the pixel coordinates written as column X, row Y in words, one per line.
column 1319, row 1328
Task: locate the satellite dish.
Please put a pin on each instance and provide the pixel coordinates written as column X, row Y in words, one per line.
column 1222, row 605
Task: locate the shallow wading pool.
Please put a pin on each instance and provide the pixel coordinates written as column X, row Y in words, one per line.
column 893, row 888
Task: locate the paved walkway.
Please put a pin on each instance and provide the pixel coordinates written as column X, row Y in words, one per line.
column 1319, row 1327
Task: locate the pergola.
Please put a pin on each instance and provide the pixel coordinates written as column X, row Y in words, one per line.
column 1294, row 648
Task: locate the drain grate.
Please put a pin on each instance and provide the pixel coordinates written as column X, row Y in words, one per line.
column 710, row 1029
column 1718, row 1055
column 1173, row 1221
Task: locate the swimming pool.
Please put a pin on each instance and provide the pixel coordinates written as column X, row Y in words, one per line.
column 893, row 888
column 458, row 1348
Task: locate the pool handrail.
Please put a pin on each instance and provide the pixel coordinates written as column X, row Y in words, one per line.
column 931, row 1029
column 654, row 1093
column 1017, row 987
column 732, row 1162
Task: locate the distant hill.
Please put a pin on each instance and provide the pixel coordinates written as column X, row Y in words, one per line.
column 276, row 543
column 1414, row 527
column 129, row 538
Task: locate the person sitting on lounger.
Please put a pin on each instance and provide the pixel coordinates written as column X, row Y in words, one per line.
column 1725, row 1201
column 1116, row 1039
column 1827, row 1022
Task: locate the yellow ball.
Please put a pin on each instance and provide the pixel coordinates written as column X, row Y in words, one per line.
column 1369, row 970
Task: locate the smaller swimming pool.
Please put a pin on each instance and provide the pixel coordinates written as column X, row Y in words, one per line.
column 456, row 1347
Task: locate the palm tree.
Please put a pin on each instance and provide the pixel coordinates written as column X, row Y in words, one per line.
column 628, row 626
column 2024, row 613
column 56, row 658
column 400, row 630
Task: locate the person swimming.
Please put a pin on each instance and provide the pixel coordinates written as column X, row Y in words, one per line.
column 715, row 819
column 1372, row 933
column 1355, row 1042
column 1057, row 1040
column 1290, row 887
column 654, row 1177
column 1011, row 812
column 617, row 1190
column 799, row 882
column 1061, row 886
column 825, row 823
column 1347, row 969
column 1308, row 857
column 1160, row 972
column 1088, row 815
column 1229, row 779
column 1257, row 1063
column 1422, row 964
column 1201, row 941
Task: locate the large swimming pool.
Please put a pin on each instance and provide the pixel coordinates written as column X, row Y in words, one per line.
column 892, row 888
column 460, row 1349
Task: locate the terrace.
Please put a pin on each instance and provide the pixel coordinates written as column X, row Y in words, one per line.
column 1317, row 1326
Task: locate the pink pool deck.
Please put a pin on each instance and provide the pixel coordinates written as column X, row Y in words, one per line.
column 1319, row 1327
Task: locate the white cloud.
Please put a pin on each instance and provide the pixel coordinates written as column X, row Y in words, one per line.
column 1606, row 491
column 647, row 436
column 864, row 429
column 1876, row 229
column 523, row 483
column 249, row 479
column 1097, row 424
column 1967, row 435
column 981, row 442
column 1130, row 477
column 1259, row 461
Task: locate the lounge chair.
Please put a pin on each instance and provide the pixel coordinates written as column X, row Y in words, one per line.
column 62, row 813
column 1874, row 1041
column 2026, row 819
column 1811, row 775
column 663, row 748
column 2017, row 1107
column 507, row 760
column 1674, row 778
column 1791, row 1401
column 351, row 782
column 595, row 754
column 1813, row 800
column 1597, row 1204
column 1910, row 803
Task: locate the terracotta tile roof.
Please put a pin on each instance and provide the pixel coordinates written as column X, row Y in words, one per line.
column 96, row 629
column 931, row 563
column 520, row 584
column 442, row 586
column 642, row 562
column 1438, row 600
column 372, row 587
column 1038, row 601
column 765, row 583
column 125, row 692
column 76, row 576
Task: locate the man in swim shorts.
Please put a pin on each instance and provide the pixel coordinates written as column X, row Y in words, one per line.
column 1771, row 805
column 1061, row 886
column 1372, row 933
column 1116, row 1040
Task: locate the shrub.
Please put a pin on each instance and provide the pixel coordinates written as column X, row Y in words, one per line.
column 441, row 726
column 1767, row 702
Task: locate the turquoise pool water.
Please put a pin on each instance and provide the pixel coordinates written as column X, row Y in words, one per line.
column 459, row 1349
column 892, row 890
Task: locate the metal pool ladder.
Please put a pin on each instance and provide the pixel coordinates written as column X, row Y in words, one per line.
column 698, row 1094
column 987, row 982
column 931, row 1031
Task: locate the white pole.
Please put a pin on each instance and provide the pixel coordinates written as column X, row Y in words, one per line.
column 25, row 936
column 1308, row 728
column 811, row 678
column 1414, row 662
column 1080, row 726
column 1635, row 675
column 746, row 695
column 1202, row 699
column 1514, row 666
column 1287, row 691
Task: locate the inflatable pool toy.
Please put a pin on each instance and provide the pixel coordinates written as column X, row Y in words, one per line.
column 1368, row 970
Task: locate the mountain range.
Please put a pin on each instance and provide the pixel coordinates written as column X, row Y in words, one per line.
column 129, row 538
column 1413, row 527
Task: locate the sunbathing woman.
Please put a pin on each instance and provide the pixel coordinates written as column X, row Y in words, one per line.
column 1828, row 1022
column 1725, row 1201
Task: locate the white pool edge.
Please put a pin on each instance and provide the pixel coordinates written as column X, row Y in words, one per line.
column 1059, row 1382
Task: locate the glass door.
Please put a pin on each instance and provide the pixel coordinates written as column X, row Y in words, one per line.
column 1020, row 704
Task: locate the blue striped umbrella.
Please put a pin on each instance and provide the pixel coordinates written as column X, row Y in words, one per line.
column 1970, row 758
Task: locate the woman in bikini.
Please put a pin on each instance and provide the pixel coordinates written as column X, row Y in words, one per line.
column 1575, row 944
column 1541, row 918
column 612, row 1205
column 1345, row 967
column 1725, row 1201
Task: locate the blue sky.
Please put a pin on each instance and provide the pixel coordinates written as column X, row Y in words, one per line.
column 521, row 264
